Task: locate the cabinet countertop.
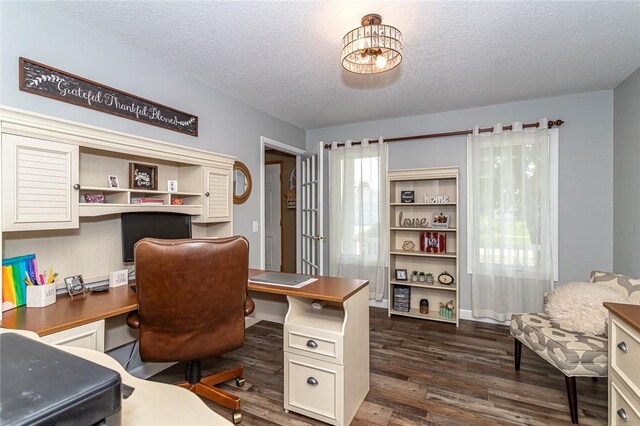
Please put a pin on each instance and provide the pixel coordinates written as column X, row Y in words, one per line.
column 330, row 289
column 629, row 313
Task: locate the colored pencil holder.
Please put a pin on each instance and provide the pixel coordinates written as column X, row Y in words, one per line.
column 39, row 296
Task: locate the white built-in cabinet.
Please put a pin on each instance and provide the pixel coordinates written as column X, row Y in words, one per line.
column 411, row 222
column 38, row 177
column 218, row 191
column 49, row 165
column 326, row 358
column 87, row 336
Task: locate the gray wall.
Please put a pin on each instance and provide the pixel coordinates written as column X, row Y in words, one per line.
column 586, row 174
column 226, row 125
column 626, row 176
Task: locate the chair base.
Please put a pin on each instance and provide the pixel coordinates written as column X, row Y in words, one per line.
column 205, row 386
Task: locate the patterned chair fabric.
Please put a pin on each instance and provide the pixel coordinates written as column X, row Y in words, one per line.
column 629, row 287
column 575, row 354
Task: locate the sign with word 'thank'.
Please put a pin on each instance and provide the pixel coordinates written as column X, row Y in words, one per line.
column 52, row 83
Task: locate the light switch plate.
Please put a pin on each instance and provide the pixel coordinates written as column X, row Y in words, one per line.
column 118, row 278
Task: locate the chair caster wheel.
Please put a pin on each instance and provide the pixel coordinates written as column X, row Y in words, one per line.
column 237, row 417
column 240, row 382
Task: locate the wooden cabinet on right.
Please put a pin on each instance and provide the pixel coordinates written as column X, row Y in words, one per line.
column 423, row 243
column 624, row 359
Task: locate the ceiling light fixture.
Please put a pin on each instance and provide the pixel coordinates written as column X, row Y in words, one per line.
column 372, row 48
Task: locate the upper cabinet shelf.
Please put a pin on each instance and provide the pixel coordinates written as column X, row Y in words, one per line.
column 55, row 172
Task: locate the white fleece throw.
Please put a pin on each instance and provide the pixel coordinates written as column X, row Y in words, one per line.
column 578, row 307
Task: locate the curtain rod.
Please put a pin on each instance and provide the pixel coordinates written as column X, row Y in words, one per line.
column 552, row 123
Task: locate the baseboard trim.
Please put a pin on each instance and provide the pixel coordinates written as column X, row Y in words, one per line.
column 384, row 303
column 465, row 314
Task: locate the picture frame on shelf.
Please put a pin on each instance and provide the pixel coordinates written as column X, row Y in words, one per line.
column 407, row 196
column 143, row 176
column 75, row 285
column 172, row 185
column 401, row 275
column 440, row 221
column 113, row 181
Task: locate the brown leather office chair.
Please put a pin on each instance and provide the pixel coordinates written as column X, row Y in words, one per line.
column 192, row 300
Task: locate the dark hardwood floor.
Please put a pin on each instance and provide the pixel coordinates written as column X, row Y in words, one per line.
column 422, row 373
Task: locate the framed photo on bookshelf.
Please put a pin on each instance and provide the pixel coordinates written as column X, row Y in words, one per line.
column 401, row 275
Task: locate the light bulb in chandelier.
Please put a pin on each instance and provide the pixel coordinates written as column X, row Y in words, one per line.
column 381, row 62
column 364, row 58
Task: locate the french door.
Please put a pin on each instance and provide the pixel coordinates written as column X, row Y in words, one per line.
column 311, row 212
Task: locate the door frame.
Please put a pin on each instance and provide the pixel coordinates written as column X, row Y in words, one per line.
column 266, row 142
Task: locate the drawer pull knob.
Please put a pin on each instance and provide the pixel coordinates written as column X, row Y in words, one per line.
column 623, row 347
column 623, row 414
column 314, row 382
column 312, row 344
column 76, row 186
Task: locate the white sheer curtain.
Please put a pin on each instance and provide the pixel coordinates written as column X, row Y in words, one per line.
column 358, row 207
column 511, row 180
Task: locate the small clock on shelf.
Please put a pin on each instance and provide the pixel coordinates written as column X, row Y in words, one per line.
column 445, row 278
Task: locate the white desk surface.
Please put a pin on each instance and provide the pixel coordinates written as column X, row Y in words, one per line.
column 151, row 403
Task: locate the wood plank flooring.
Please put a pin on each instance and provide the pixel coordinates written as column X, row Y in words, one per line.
column 422, row 373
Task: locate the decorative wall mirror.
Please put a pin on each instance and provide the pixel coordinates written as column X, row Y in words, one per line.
column 241, row 183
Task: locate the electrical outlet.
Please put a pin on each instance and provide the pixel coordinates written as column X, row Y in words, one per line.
column 256, row 226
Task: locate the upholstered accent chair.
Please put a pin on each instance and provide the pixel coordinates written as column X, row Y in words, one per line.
column 574, row 354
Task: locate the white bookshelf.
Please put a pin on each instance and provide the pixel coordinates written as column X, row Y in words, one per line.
column 434, row 181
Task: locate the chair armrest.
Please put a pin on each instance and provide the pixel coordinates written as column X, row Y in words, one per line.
column 249, row 306
column 132, row 319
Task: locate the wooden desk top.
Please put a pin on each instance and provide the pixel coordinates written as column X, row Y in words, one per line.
column 67, row 313
column 330, row 289
column 629, row 313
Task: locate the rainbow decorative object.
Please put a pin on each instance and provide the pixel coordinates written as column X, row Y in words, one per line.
column 15, row 272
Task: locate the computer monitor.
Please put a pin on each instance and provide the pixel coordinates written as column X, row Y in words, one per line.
column 136, row 226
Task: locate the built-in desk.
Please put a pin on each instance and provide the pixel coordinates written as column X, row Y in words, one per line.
column 326, row 351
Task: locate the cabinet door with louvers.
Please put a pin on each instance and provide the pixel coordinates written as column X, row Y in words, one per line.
column 38, row 178
column 217, row 194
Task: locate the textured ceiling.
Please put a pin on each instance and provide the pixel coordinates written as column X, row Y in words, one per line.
column 283, row 57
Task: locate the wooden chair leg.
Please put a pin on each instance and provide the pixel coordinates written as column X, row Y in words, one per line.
column 573, row 398
column 518, row 353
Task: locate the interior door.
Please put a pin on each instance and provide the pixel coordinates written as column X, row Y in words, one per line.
column 312, row 213
column 273, row 218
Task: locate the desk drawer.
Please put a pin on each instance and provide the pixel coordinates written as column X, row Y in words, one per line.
column 314, row 343
column 314, row 388
column 88, row 336
column 625, row 348
column 624, row 409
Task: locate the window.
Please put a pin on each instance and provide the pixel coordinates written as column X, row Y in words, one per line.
column 513, row 202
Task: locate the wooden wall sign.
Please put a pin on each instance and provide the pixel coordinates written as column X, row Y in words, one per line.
column 52, row 83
